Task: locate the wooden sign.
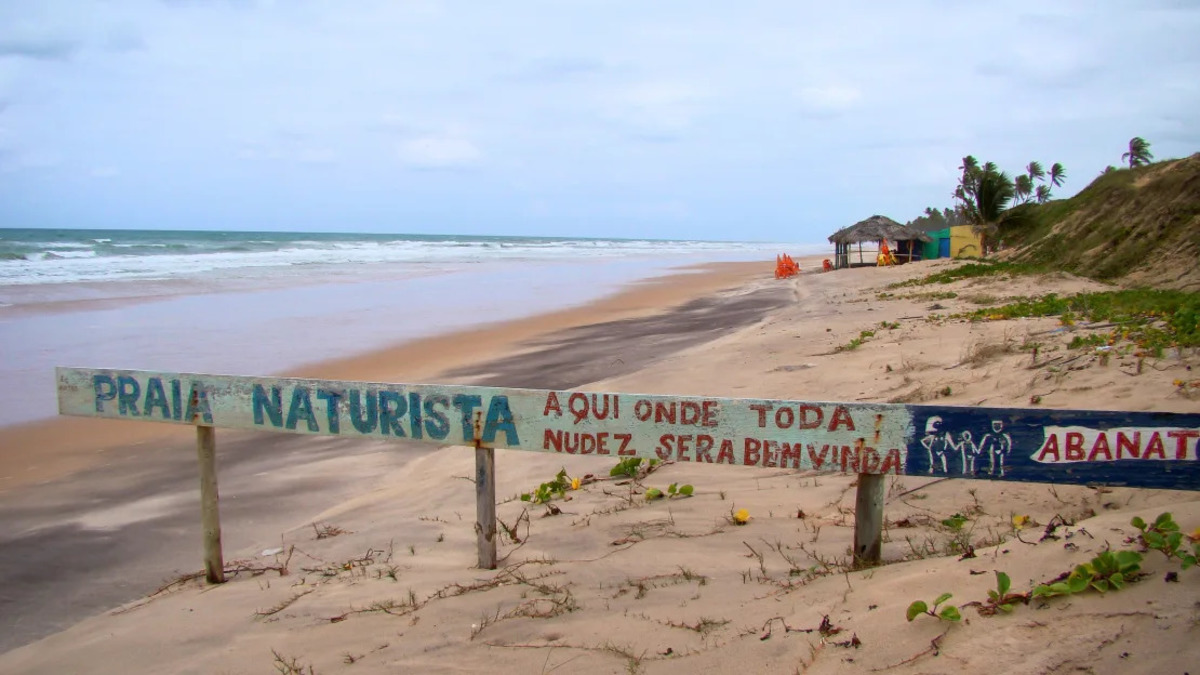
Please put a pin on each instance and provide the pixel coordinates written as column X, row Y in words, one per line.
column 1141, row 449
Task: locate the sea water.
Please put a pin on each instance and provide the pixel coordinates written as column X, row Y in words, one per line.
column 257, row 303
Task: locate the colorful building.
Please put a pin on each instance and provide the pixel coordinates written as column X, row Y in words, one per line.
column 958, row 241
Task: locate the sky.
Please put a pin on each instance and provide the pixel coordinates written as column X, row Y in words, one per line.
column 754, row 120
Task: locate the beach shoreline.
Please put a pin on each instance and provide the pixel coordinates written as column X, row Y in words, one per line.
column 79, row 443
column 58, row 476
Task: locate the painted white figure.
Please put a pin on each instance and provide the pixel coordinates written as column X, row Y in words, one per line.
column 968, row 451
column 934, row 442
column 997, row 444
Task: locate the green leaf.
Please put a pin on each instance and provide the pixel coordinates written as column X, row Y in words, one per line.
column 526, row 497
column 950, row 613
column 942, row 598
column 1042, row 590
column 916, row 609
column 686, row 490
column 1100, row 585
column 1153, row 539
column 1127, row 561
column 1005, row 608
column 1003, row 583
column 653, row 493
column 1117, row 580
column 1174, row 540
column 1076, row 584
column 993, row 596
column 1164, row 520
column 1138, row 523
column 672, row 488
column 1187, row 561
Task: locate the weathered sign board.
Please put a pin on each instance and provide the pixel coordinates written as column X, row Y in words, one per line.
column 1145, row 449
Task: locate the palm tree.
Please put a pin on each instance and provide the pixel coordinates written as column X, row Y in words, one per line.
column 985, row 193
column 1139, row 152
column 1023, row 185
column 1057, row 175
column 1035, row 171
column 1043, row 194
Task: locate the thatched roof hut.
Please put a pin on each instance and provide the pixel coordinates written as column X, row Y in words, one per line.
column 875, row 229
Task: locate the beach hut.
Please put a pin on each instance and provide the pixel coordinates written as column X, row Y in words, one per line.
column 908, row 242
column 959, row 241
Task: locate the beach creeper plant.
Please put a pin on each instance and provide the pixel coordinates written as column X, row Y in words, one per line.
column 947, row 613
column 632, row 468
column 673, row 490
column 1110, row 570
column 1164, row 535
column 551, row 489
column 1000, row 599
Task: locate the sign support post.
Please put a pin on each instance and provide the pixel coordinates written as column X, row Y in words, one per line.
column 868, row 519
column 210, row 517
column 485, row 505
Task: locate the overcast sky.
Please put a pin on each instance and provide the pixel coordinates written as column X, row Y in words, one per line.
column 777, row 121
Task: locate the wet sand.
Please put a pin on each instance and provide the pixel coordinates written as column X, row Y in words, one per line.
column 100, row 512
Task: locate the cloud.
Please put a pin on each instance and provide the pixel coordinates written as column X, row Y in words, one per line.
column 39, row 49
column 286, row 146
column 657, row 110
column 670, row 209
column 124, row 39
column 432, row 152
column 658, row 113
column 559, row 69
column 830, row 98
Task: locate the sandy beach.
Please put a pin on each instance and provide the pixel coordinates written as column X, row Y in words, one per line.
column 359, row 556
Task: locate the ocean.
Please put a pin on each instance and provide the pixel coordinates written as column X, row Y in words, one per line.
column 262, row 302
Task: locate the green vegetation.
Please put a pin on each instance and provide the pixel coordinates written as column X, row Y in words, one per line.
column 1107, row 571
column 947, row 613
column 1164, row 536
column 933, row 219
column 1143, row 218
column 673, row 490
column 1152, row 319
column 549, row 490
column 1000, row 599
column 632, row 468
column 1127, row 219
column 1139, row 153
column 955, row 522
column 856, row 342
column 972, row 270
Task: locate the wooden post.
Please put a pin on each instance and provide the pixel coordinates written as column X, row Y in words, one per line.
column 485, row 505
column 210, row 516
column 868, row 519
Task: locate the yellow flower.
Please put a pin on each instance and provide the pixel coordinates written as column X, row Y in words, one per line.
column 1020, row 521
column 741, row 516
column 1179, row 383
column 575, row 483
column 1195, row 535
